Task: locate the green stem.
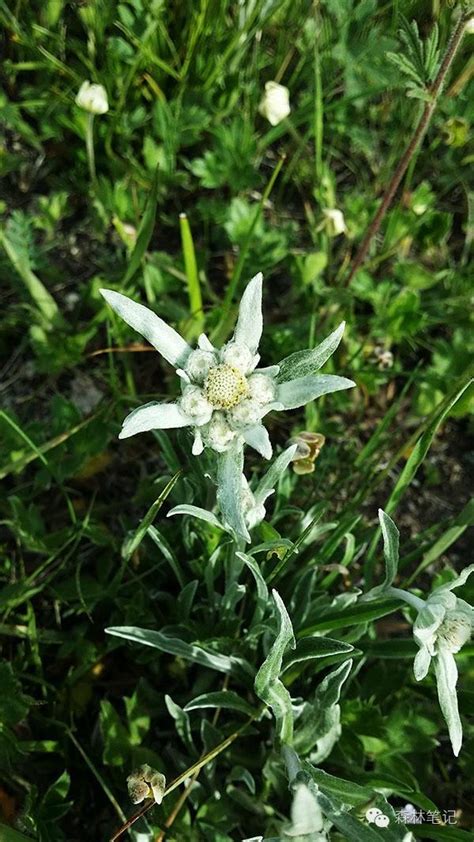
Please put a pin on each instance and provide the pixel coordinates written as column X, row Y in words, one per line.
column 407, row 597
column 90, row 146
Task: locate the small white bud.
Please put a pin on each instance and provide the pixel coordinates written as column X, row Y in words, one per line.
column 92, row 98
column 334, row 222
column 198, row 365
column 195, row 405
column 275, row 103
column 238, row 356
column 218, row 434
column 262, row 388
column 470, row 26
column 245, row 413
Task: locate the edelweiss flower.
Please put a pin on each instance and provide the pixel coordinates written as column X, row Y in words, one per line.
column 224, row 396
column 443, row 626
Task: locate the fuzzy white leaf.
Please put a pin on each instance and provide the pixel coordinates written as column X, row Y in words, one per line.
column 163, row 337
column 229, row 490
column 250, row 321
column 153, row 416
column 304, row 363
column 446, row 678
column 295, row 393
column 257, row 437
column 268, row 686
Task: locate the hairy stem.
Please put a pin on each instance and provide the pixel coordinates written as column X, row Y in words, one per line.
column 418, row 135
column 90, row 146
column 407, row 597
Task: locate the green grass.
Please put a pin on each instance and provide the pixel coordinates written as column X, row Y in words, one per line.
column 194, row 193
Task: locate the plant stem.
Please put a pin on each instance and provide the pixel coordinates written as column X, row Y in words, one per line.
column 407, row 597
column 90, row 146
column 418, row 135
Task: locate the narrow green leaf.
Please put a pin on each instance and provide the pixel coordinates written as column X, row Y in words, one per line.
column 352, row 616
column 145, row 231
column 192, row 275
column 391, row 537
column 131, row 544
column 226, row 699
column 268, row 686
column 309, row 648
column 229, row 490
column 40, row 295
column 188, row 651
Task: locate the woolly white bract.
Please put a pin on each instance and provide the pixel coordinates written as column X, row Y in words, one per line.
column 442, row 627
column 224, row 395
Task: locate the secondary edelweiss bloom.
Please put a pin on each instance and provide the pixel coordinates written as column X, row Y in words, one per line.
column 224, row 396
column 92, row 98
column 334, row 222
column 275, row 103
column 443, row 626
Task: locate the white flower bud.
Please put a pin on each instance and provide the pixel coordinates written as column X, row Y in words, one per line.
column 253, row 513
column 245, row 413
column 470, row 26
column 218, row 434
column 198, row 365
column 275, row 103
column 334, row 222
column 238, row 356
column 195, row 405
column 262, row 388
column 92, row 98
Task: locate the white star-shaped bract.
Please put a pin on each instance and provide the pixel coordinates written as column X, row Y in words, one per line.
column 441, row 629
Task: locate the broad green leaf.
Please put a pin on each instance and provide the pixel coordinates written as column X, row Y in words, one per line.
column 8, row 834
column 307, row 362
column 268, row 686
column 226, row 699
column 319, row 726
